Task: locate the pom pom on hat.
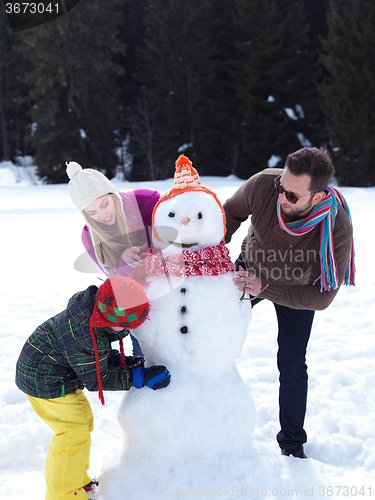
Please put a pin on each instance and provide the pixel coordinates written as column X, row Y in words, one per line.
column 186, row 179
column 87, row 185
column 119, row 302
column 72, row 168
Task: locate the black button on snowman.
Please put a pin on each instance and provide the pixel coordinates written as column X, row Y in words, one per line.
column 184, row 329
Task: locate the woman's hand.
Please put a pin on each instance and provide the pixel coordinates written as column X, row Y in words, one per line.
column 253, row 284
column 131, row 256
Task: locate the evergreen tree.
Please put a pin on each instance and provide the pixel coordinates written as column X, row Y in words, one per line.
column 177, row 75
column 274, row 79
column 222, row 116
column 14, row 102
column 136, row 117
column 72, row 83
column 4, row 51
column 349, row 95
column 317, row 18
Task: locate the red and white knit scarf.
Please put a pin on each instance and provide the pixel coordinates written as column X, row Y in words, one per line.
column 208, row 261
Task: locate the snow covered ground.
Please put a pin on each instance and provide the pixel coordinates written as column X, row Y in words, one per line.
column 40, row 240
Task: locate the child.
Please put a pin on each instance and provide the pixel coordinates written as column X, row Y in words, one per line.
column 70, row 351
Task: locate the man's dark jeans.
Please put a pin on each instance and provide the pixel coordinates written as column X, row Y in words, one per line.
column 293, row 335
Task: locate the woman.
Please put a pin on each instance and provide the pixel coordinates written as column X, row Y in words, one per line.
column 118, row 224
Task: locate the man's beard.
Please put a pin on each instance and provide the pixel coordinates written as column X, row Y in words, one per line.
column 299, row 213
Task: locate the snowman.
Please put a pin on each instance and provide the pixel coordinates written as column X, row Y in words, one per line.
column 201, row 424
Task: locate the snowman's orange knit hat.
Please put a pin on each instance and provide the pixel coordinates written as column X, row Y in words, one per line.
column 186, row 179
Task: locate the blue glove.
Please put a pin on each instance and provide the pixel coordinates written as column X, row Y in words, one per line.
column 155, row 377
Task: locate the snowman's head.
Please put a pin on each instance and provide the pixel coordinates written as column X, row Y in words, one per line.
column 196, row 218
column 189, row 216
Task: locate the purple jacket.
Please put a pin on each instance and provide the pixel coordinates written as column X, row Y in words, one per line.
column 138, row 207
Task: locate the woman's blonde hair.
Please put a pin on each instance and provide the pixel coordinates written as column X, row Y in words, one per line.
column 109, row 248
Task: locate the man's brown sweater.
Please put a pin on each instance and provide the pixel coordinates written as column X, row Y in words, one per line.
column 290, row 265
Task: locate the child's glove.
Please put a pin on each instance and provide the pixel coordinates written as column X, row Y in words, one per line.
column 155, row 377
column 131, row 361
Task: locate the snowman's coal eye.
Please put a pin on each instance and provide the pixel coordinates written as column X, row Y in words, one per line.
column 171, row 214
column 200, row 216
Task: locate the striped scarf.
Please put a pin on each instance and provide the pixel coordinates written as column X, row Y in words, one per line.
column 324, row 213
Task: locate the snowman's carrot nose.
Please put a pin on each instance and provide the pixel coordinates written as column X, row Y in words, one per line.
column 185, row 221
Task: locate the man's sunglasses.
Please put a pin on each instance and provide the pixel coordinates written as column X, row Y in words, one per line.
column 292, row 198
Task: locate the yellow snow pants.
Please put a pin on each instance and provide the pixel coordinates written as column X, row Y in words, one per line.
column 68, row 457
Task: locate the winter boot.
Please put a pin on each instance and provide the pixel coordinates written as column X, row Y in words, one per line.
column 91, row 488
column 298, row 453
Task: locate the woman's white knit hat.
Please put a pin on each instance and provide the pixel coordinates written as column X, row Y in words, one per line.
column 86, row 185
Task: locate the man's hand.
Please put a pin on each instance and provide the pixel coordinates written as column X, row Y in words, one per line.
column 131, row 256
column 253, row 284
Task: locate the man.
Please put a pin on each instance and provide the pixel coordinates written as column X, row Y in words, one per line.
column 297, row 253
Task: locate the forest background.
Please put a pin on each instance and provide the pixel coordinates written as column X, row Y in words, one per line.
column 236, row 85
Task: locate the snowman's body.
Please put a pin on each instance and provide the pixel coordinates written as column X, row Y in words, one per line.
column 197, row 327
